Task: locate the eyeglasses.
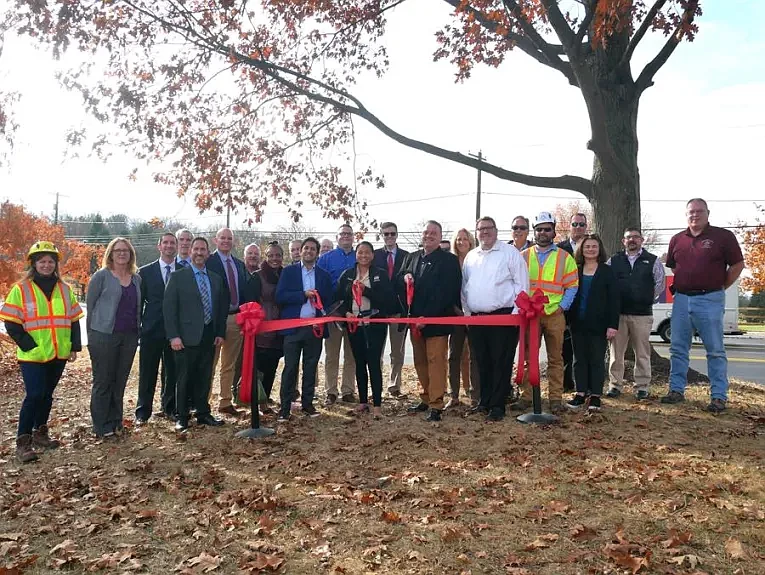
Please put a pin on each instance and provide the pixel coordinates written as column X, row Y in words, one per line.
column 486, row 229
column 345, row 234
column 633, row 237
column 520, row 228
column 543, row 230
column 390, row 234
column 578, row 224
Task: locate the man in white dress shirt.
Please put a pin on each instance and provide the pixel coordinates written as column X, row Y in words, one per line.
column 493, row 274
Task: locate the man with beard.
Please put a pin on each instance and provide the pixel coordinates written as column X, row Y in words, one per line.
column 641, row 281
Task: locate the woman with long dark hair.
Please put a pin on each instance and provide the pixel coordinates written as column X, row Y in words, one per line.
column 269, row 345
column 373, row 291
column 594, row 319
column 114, row 316
column 42, row 316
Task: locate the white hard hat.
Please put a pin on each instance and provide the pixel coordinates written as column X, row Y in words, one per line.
column 544, row 218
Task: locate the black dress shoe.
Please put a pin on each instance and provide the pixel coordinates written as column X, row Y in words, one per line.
column 181, row 425
column 495, row 415
column 208, row 419
column 478, row 409
column 420, row 407
column 434, row 415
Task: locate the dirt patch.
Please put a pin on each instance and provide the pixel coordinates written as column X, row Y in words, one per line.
column 639, row 488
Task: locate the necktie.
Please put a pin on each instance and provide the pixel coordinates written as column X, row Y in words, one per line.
column 390, row 265
column 167, row 273
column 232, row 284
column 204, row 291
column 182, row 263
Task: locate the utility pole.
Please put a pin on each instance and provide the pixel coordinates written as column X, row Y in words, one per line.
column 228, row 211
column 55, row 211
column 480, row 158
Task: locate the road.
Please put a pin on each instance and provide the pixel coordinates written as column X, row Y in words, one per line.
column 746, row 357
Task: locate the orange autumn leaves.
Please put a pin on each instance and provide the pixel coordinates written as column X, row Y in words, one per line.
column 19, row 229
column 754, row 255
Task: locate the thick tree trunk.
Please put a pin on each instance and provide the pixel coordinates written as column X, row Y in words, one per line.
column 615, row 177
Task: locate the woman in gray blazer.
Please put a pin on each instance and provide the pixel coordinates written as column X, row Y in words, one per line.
column 113, row 318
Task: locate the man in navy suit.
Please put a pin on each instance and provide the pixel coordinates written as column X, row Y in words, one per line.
column 295, row 293
column 231, row 270
column 154, row 345
column 390, row 257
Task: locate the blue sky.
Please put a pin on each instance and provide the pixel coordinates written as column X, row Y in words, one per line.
column 701, row 129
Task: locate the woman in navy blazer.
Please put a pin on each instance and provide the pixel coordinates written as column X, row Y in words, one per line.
column 594, row 318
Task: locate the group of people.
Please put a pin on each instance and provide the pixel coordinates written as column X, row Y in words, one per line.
column 182, row 307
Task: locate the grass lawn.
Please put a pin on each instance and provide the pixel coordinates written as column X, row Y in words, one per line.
column 757, row 327
column 639, row 488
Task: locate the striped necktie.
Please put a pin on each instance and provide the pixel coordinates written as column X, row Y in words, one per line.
column 204, row 291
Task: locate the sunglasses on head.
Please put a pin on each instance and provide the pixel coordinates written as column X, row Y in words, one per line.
column 521, row 228
column 578, row 224
column 273, row 243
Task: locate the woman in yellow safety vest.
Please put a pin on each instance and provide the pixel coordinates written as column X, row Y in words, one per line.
column 41, row 315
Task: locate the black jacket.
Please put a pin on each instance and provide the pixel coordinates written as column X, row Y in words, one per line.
column 635, row 282
column 603, row 303
column 253, row 287
column 381, row 294
column 436, row 287
column 152, row 295
column 566, row 245
column 182, row 307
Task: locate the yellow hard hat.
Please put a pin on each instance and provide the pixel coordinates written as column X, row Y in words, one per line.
column 42, row 248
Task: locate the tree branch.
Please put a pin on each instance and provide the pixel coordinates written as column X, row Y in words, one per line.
column 645, row 80
column 565, row 182
column 589, row 13
column 550, row 56
column 644, row 26
column 561, row 27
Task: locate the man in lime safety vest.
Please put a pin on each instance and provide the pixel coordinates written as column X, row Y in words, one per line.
column 554, row 271
column 41, row 315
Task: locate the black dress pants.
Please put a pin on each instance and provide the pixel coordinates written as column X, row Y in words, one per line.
column 150, row 354
column 194, row 365
column 302, row 342
column 267, row 360
column 367, row 346
column 589, row 361
column 494, row 351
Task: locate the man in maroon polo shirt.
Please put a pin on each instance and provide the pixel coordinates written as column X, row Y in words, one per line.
column 706, row 261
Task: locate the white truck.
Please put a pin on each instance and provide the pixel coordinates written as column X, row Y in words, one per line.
column 663, row 310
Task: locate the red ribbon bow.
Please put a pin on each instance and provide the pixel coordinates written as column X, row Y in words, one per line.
column 409, row 281
column 530, row 309
column 248, row 319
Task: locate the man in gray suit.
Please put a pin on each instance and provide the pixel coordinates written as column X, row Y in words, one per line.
column 195, row 308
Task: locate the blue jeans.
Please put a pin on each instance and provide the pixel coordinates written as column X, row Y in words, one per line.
column 40, row 379
column 703, row 313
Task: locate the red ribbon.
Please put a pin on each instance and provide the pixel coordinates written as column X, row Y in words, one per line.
column 249, row 319
column 318, row 329
column 409, row 281
column 357, row 289
column 529, row 311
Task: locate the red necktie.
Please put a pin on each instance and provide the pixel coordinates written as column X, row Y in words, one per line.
column 390, row 265
column 232, row 284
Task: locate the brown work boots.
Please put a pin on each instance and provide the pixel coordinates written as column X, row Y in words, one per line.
column 24, row 451
column 41, row 439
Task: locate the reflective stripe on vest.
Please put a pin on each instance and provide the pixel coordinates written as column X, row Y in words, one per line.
column 48, row 322
column 551, row 278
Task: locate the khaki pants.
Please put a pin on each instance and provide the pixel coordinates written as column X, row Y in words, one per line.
column 332, row 345
column 553, row 328
column 635, row 330
column 397, row 339
column 227, row 354
column 430, row 364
